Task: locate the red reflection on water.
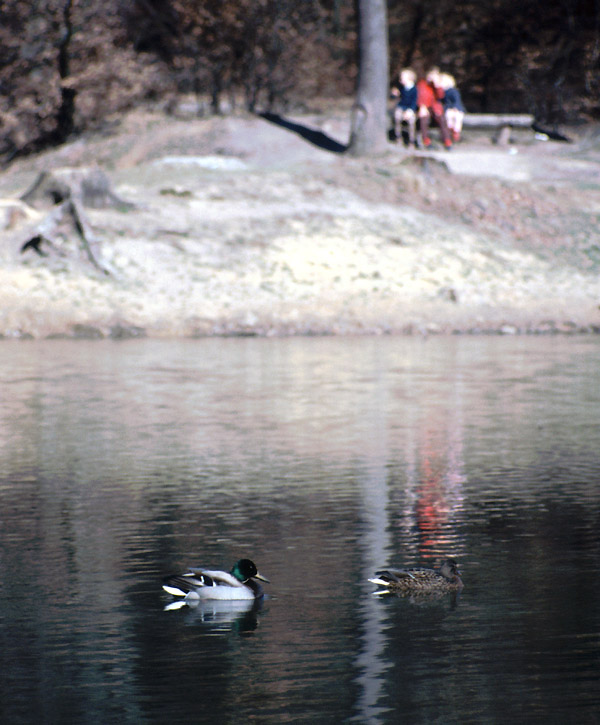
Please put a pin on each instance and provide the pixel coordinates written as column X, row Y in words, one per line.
column 439, row 487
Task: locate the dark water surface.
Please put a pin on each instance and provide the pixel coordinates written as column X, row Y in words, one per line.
column 322, row 460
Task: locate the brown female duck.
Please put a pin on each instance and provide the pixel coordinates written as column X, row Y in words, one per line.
column 418, row 579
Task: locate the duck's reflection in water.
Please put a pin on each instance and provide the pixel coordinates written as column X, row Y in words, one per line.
column 219, row 616
column 444, row 599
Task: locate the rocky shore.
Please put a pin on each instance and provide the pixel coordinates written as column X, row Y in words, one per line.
column 245, row 226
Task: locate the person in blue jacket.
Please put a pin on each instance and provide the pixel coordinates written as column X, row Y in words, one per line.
column 454, row 110
column 406, row 108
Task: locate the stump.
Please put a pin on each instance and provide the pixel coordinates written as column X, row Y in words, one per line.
column 88, row 187
column 65, row 193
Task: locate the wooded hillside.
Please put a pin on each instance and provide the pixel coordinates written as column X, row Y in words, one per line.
column 66, row 66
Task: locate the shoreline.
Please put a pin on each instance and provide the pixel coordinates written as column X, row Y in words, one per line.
column 253, row 231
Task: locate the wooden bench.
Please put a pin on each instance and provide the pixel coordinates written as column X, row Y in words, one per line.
column 501, row 122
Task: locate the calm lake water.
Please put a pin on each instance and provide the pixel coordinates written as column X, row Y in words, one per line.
column 322, row 459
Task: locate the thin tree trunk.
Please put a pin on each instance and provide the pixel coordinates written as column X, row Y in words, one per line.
column 65, row 120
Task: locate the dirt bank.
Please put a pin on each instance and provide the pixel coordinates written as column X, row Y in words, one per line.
column 251, row 226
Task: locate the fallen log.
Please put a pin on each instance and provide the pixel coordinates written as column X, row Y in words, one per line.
column 497, row 120
column 13, row 212
column 502, row 123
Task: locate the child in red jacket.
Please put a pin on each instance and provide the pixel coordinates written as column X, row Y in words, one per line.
column 429, row 100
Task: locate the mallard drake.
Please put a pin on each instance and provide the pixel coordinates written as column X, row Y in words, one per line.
column 239, row 583
column 418, row 579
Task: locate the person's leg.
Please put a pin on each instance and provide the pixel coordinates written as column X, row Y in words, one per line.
column 397, row 122
column 441, row 121
column 458, row 123
column 450, row 115
column 411, row 122
column 424, row 124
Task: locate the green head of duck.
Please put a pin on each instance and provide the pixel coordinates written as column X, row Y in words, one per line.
column 245, row 569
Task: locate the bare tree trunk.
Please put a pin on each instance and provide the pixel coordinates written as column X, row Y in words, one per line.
column 65, row 120
column 369, row 115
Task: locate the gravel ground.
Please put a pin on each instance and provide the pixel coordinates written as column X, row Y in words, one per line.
column 245, row 226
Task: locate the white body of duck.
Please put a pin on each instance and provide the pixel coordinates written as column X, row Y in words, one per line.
column 238, row 584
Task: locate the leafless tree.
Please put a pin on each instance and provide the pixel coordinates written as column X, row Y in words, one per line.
column 369, row 115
